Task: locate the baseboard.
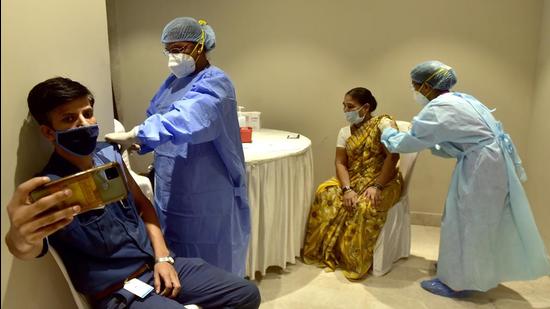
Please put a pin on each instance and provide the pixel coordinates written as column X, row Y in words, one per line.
column 425, row 218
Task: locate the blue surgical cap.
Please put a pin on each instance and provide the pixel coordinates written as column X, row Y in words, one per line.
column 435, row 73
column 189, row 30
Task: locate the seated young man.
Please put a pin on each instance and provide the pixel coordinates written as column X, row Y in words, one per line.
column 103, row 248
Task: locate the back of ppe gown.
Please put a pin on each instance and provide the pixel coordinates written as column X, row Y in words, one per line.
column 488, row 234
column 200, row 176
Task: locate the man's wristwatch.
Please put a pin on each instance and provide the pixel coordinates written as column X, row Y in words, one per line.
column 346, row 189
column 168, row 259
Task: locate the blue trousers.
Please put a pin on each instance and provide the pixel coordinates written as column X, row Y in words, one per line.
column 202, row 284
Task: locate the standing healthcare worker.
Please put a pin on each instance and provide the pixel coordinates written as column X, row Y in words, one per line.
column 488, row 234
column 200, row 176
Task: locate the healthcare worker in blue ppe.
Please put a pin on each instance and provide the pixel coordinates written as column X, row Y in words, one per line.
column 200, row 176
column 488, row 234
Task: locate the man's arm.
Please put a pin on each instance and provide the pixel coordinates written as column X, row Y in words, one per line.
column 163, row 271
column 149, row 216
column 32, row 222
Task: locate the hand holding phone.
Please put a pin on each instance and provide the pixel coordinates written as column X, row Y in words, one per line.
column 93, row 188
column 32, row 221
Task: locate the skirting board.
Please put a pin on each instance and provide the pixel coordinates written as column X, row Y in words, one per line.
column 425, row 218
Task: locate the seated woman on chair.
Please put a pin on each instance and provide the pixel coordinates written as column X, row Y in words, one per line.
column 350, row 210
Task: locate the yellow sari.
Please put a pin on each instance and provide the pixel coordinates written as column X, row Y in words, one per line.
column 341, row 239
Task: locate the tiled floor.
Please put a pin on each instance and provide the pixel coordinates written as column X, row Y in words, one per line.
column 303, row 286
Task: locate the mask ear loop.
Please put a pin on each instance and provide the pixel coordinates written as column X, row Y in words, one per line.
column 361, row 108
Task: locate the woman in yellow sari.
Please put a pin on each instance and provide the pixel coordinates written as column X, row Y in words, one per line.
column 350, row 210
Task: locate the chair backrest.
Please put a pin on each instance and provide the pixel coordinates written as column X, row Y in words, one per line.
column 119, row 127
column 406, row 160
column 143, row 182
column 79, row 299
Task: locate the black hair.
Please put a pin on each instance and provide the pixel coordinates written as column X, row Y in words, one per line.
column 54, row 92
column 363, row 96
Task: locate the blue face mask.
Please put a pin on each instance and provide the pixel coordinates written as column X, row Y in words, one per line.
column 353, row 116
column 79, row 141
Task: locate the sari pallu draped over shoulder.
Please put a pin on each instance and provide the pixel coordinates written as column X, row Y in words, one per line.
column 337, row 238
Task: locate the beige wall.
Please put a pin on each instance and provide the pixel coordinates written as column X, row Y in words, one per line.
column 43, row 39
column 294, row 60
column 539, row 149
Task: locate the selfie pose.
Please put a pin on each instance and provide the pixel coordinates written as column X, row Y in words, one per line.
column 103, row 248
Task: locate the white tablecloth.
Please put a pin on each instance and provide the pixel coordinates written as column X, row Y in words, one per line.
column 280, row 187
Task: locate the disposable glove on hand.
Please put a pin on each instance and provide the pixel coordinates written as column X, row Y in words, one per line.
column 124, row 139
column 386, row 123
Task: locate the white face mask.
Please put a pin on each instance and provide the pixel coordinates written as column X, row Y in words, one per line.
column 181, row 64
column 420, row 98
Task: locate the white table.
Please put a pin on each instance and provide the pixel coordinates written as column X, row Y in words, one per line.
column 280, row 188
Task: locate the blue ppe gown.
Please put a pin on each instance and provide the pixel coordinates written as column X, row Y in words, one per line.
column 200, row 175
column 488, row 233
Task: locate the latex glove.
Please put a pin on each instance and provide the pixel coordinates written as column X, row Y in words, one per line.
column 124, row 139
column 386, row 123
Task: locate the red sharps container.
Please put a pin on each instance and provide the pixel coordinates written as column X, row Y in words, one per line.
column 246, row 134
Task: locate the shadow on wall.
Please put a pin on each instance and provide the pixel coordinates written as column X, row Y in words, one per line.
column 32, row 284
column 37, row 284
column 33, row 152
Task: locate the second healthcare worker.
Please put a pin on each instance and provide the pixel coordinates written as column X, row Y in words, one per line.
column 488, row 234
column 200, row 177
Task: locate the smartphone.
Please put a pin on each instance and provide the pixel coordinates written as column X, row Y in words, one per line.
column 91, row 189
